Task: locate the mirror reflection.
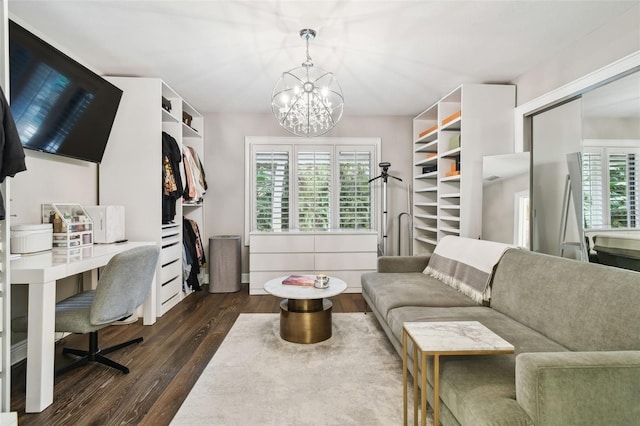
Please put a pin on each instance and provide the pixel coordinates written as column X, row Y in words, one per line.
column 610, row 181
column 505, row 198
column 584, row 178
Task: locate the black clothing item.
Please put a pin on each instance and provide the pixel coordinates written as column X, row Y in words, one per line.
column 11, row 151
column 193, row 246
column 172, row 188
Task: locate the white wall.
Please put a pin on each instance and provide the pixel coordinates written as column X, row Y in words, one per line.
column 498, row 207
column 224, row 165
column 614, row 40
column 610, row 128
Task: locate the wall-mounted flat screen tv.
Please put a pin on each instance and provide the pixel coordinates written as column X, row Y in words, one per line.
column 59, row 106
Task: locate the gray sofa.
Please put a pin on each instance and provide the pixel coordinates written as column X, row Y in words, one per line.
column 575, row 328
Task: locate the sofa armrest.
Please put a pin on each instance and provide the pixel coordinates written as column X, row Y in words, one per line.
column 579, row 388
column 403, row 263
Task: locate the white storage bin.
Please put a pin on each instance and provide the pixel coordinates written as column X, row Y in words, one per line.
column 31, row 238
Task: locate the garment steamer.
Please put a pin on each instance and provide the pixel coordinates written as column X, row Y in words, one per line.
column 385, row 176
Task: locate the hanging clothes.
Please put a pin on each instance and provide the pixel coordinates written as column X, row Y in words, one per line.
column 194, row 251
column 196, row 184
column 172, row 188
column 11, row 150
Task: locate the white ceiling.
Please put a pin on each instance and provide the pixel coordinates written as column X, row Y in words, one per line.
column 391, row 57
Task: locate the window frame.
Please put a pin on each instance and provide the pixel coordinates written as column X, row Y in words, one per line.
column 293, row 146
column 605, row 147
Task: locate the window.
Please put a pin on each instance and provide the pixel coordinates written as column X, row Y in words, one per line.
column 355, row 190
column 610, row 187
column 272, row 191
column 295, row 185
column 314, row 190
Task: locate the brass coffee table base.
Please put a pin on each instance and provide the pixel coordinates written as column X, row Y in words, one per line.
column 305, row 320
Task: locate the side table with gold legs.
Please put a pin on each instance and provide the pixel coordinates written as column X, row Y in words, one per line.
column 438, row 339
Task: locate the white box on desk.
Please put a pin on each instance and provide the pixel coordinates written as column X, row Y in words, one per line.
column 108, row 223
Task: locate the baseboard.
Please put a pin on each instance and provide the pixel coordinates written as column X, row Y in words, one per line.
column 18, row 352
column 19, row 349
column 244, row 278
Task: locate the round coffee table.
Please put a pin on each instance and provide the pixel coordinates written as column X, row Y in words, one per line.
column 305, row 312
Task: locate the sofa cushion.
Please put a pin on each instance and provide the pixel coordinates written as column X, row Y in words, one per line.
column 585, row 307
column 523, row 338
column 392, row 290
column 479, row 389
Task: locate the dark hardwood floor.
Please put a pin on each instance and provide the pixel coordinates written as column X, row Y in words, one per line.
column 164, row 367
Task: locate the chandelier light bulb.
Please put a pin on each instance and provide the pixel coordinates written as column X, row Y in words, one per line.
column 307, row 101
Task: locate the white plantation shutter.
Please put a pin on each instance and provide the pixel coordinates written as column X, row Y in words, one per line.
column 314, row 190
column 310, row 187
column 593, row 190
column 610, row 187
column 272, row 191
column 622, row 190
column 355, row 191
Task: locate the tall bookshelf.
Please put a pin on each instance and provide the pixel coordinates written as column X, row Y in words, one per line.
column 449, row 140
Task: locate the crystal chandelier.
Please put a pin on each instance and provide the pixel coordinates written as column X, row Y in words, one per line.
column 307, row 101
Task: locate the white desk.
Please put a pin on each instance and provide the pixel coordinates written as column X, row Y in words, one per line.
column 40, row 271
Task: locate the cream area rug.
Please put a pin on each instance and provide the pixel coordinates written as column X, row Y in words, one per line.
column 256, row 378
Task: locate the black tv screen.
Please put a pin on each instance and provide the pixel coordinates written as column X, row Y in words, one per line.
column 59, row 106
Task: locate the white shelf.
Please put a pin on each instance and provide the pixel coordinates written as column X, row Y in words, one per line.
column 428, row 137
column 452, row 195
column 455, row 178
column 427, row 161
column 450, row 218
column 427, row 204
column 423, row 190
column 429, row 147
column 426, row 240
column 190, row 132
column 450, row 207
column 427, row 228
column 430, row 175
column 167, row 117
column 455, row 152
column 452, row 125
column 450, row 230
column 427, row 216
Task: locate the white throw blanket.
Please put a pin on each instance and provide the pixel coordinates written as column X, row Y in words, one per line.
column 466, row 264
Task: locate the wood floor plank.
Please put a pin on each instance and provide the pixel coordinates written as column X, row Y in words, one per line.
column 164, row 367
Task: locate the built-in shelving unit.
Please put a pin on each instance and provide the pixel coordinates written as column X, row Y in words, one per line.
column 131, row 174
column 450, row 139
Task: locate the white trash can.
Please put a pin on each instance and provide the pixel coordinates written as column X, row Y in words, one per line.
column 224, row 264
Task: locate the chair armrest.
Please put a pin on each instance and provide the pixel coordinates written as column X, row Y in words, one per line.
column 579, row 388
column 403, row 263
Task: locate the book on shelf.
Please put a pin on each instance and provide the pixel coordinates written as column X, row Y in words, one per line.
column 452, row 117
column 429, row 130
column 301, row 280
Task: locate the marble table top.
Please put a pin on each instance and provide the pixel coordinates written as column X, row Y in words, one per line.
column 455, row 336
column 276, row 288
